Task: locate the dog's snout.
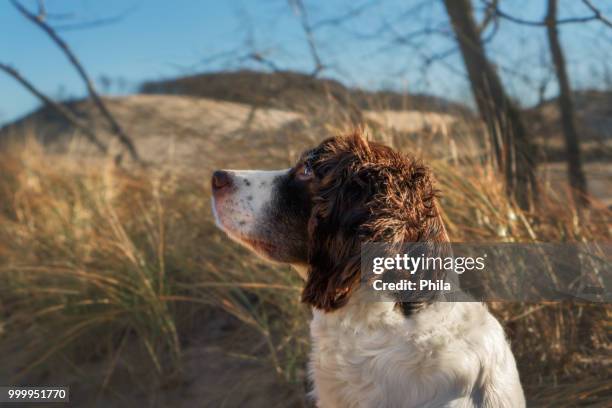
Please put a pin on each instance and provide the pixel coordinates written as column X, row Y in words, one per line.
column 221, row 180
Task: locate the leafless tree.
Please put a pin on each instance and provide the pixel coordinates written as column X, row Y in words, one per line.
column 551, row 22
column 566, row 106
column 596, row 16
column 512, row 148
column 300, row 11
column 59, row 108
column 39, row 20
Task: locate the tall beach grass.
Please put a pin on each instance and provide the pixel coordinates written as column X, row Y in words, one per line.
column 107, row 265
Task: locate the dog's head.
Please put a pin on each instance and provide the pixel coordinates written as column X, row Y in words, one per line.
column 345, row 192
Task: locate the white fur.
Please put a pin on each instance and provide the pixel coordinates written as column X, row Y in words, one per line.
column 446, row 355
column 238, row 212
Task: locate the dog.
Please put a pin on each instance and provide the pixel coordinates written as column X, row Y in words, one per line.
column 315, row 216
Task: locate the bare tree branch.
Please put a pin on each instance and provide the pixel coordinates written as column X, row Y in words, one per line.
column 598, row 13
column 575, row 171
column 114, row 125
column 42, row 11
column 489, row 16
column 350, row 14
column 88, row 24
column 93, row 23
column 300, row 11
column 512, row 147
column 407, row 40
column 572, row 20
column 59, row 108
column 261, row 59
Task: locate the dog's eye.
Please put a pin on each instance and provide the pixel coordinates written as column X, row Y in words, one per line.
column 304, row 172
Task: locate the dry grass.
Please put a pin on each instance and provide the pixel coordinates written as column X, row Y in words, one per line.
column 103, row 266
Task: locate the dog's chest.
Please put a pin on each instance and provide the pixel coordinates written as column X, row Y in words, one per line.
column 373, row 361
column 356, row 363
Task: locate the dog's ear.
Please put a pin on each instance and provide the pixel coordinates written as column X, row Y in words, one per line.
column 334, row 248
column 336, row 226
column 334, row 268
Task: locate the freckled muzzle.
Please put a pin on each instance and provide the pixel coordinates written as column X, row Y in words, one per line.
column 244, row 205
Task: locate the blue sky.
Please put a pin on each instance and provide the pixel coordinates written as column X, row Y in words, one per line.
column 160, row 38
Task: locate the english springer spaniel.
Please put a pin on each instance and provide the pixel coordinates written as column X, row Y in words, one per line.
column 315, row 216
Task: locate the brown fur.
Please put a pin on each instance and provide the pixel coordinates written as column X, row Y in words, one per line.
column 363, row 192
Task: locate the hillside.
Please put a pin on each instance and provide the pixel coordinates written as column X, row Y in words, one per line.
column 165, row 129
column 593, row 112
column 184, row 130
column 181, row 130
column 294, row 91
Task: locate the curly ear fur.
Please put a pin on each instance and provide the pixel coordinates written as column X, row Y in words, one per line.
column 364, row 192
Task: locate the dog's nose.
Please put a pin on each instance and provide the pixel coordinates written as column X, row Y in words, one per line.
column 221, row 179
